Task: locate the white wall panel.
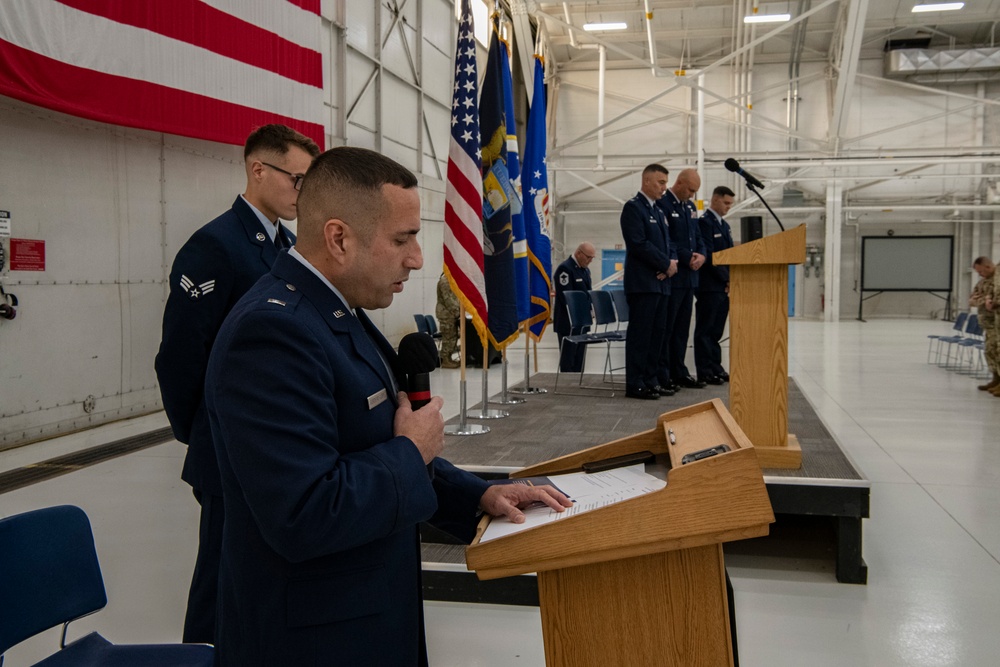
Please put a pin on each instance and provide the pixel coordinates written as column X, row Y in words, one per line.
column 361, row 30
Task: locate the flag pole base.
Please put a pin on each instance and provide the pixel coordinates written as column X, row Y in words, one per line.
column 528, row 390
column 508, row 400
column 466, row 429
column 487, row 414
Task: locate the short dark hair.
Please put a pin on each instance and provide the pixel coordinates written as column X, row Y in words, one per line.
column 276, row 138
column 982, row 260
column 723, row 191
column 650, row 168
column 347, row 182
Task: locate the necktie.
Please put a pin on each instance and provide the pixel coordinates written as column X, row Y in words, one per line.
column 277, row 239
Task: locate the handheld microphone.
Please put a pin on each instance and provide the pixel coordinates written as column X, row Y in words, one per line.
column 734, row 166
column 418, row 356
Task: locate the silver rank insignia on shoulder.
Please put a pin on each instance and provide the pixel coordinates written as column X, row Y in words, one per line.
column 338, row 314
column 564, row 279
column 195, row 292
column 261, row 236
column 277, row 301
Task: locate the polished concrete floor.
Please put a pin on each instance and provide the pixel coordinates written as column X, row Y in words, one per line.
column 925, row 437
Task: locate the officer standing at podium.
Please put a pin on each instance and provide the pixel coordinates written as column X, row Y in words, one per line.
column 650, row 260
column 682, row 221
column 712, row 296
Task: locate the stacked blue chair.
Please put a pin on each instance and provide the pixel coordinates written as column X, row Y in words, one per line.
column 936, row 338
column 621, row 306
column 581, row 320
column 605, row 314
column 971, row 324
column 49, row 575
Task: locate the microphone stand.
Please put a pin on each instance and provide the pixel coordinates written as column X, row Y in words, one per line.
column 752, row 189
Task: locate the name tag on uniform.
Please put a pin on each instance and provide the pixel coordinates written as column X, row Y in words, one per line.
column 652, row 220
column 378, row 398
column 718, row 236
column 675, row 214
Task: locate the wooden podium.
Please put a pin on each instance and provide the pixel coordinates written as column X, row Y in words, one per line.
column 758, row 342
column 642, row 582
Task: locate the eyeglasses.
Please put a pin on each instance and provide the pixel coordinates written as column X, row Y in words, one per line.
column 296, row 178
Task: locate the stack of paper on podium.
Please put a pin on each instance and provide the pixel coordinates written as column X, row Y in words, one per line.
column 587, row 491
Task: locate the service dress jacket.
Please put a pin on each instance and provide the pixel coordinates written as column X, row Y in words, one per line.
column 717, row 235
column 217, row 265
column 568, row 276
column 682, row 221
column 321, row 553
column 648, row 249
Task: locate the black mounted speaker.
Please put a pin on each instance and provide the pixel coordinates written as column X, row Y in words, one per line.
column 751, row 228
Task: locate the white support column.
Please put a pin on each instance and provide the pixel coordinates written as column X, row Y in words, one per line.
column 832, row 251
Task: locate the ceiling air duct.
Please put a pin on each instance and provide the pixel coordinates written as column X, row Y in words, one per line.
column 943, row 65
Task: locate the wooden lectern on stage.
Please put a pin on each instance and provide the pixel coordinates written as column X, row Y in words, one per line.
column 758, row 342
column 642, row 582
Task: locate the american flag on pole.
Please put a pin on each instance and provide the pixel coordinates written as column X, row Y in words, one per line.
column 209, row 69
column 463, row 209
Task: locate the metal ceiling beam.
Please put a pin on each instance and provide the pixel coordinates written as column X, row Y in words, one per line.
column 854, row 27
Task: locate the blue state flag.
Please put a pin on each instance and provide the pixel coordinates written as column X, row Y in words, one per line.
column 521, row 288
column 498, row 232
column 536, row 209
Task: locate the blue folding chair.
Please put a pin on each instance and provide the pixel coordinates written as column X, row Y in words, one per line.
column 605, row 315
column 49, row 575
column 971, row 323
column 421, row 321
column 432, row 326
column 581, row 320
column 937, row 338
column 621, row 306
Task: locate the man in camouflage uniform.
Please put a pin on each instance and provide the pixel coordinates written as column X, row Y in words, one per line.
column 985, row 297
column 447, row 312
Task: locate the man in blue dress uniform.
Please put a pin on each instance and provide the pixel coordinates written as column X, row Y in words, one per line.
column 650, row 260
column 712, row 302
column 324, row 465
column 216, row 266
column 572, row 274
column 682, row 221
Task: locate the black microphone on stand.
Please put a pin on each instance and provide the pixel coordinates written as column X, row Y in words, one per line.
column 734, row 166
column 417, row 357
column 752, row 184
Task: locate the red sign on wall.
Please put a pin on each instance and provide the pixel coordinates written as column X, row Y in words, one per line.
column 27, row 255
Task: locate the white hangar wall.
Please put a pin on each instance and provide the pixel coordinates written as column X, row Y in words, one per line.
column 882, row 117
column 114, row 205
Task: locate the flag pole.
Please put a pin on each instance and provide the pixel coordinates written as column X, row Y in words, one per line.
column 504, row 398
column 527, row 388
column 462, row 427
column 487, row 412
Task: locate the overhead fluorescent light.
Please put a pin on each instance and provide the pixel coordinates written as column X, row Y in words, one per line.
column 938, row 7
column 767, row 18
column 593, row 27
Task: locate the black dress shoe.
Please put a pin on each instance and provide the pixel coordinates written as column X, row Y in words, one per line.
column 724, row 375
column 690, row 383
column 664, row 391
column 713, row 379
column 642, row 393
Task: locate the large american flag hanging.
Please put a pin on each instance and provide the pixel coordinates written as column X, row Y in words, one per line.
column 463, row 211
column 209, row 69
